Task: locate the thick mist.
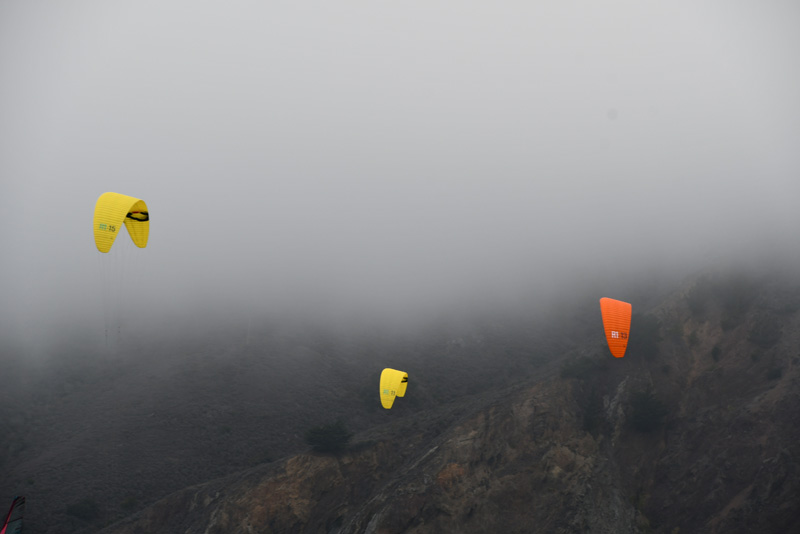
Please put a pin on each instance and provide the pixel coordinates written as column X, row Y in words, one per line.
column 386, row 160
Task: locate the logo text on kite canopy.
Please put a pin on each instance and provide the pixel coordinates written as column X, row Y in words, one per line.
column 619, row 335
column 109, row 227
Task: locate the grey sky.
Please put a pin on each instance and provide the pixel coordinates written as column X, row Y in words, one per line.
column 390, row 153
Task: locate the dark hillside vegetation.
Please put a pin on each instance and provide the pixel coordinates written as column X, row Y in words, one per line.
column 693, row 430
column 688, row 433
column 703, row 429
column 99, row 433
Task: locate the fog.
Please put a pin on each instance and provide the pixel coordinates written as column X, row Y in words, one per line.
column 387, row 159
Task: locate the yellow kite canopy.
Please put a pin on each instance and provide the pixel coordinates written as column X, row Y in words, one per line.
column 114, row 209
column 393, row 384
column 617, row 324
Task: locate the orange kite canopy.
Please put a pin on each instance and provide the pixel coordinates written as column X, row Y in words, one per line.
column 617, row 324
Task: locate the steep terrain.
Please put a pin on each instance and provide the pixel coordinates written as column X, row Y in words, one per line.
column 694, row 431
column 91, row 437
column 512, row 423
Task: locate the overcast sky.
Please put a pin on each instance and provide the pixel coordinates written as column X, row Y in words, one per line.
column 389, row 154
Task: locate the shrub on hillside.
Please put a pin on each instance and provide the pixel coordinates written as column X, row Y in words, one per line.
column 647, row 412
column 591, row 403
column 774, row 374
column 329, row 438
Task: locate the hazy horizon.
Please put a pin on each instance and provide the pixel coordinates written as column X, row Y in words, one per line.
column 410, row 158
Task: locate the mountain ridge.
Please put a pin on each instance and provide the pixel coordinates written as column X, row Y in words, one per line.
column 535, row 456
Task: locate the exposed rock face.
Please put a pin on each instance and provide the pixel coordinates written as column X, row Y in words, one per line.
column 519, row 463
column 556, row 454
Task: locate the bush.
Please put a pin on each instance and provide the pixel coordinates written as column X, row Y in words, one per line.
column 765, row 332
column 329, row 438
column 774, row 374
column 591, row 403
column 647, row 411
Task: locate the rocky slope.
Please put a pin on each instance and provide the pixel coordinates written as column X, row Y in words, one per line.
column 695, row 430
column 90, row 438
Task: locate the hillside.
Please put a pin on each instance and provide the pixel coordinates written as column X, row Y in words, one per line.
column 510, row 421
column 694, row 431
column 90, row 437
